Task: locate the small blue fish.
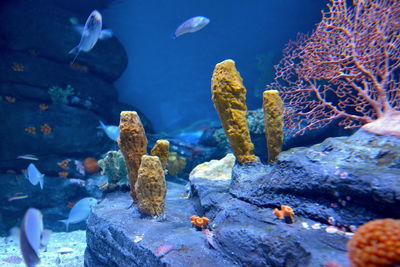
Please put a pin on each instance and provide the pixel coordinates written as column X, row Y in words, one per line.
column 34, row 176
column 80, row 211
column 91, row 32
column 111, row 131
column 30, row 238
column 191, row 25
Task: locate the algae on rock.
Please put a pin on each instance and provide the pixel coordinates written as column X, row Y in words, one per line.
column 113, row 166
column 150, row 186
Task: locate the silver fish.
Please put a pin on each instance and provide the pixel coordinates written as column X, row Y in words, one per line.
column 91, row 32
column 80, row 211
column 28, row 157
column 191, row 25
column 111, row 131
column 34, row 176
column 30, row 238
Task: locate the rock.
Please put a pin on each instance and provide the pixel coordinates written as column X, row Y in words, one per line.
column 52, row 147
column 215, row 169
column 44, row 29
column 112, row 230
column 352, row 179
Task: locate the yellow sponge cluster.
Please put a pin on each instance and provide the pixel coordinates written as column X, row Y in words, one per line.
column 229, row 97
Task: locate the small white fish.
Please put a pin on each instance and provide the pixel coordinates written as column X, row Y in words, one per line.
column 34, row 176
column 30, row 238
column 17, row 196
column 111, row 131
column 91, row 32
column 28, row 157
column 77, row 181
column 80, row 211
column 191, row 25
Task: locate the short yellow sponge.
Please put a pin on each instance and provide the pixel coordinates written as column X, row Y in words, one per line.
column 161, row 150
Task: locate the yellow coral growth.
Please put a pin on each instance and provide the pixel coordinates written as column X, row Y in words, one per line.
column 161, row 150
column 150, row 186
column 133, row 144
column 229, row 97
column 176, row 164
column 273, row 121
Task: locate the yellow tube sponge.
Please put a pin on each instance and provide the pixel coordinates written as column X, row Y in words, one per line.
column 133, row 144
column 273, row 121
column 150, row 186
column 229, row 97
column 161, row 150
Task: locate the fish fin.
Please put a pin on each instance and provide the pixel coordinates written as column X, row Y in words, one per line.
column 105, row 34
column 79, row 28
column 102, row 125
column 66, row 222
column 173, row 36
column 41, row 181
column 75, row 51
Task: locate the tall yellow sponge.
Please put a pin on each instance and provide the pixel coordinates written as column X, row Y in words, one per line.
column 151, row 186
column 161, row 150
column 229, row 97
column 273, row 121
column 133, row 145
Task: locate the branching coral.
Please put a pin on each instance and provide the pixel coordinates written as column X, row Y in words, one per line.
column 59, row 95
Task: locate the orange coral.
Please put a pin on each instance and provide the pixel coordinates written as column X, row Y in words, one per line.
column 79, row 67
column 45, row 129
column 286, row 213
column 10, row 99
column 43, row 107
column 18, row 67
column 63, row 174
column 91, row 165
column 31, row 130
column 64, row 164
column 199, row 222
column 376, row 244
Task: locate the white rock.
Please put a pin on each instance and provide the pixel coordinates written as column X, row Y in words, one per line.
column 215, row 169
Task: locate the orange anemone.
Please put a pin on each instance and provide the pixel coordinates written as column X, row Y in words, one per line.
column 199, row 221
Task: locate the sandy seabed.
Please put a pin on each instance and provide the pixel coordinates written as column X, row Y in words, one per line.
column 74, row 240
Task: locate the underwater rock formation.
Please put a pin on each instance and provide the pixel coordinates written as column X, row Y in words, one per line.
column 351, row 179
column 215, row 169
column 229, row 97
column 150, row 186
column 133, row 144
column 273, row 121
column 161, row 150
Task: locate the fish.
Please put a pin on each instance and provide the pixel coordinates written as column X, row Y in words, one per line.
column 28, row 157
column 111, row 131
column 34, row 176
column 13, row 259
column 80, row 211
column 90, row 34
column 30, row 238
column 163, row 250
column 77, row 181
column 191, row 25
column 17, row 196
column 210, row 238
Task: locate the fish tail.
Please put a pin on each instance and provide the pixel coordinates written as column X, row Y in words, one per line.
column 173, row 36
column 75, row 51
column 66, row 222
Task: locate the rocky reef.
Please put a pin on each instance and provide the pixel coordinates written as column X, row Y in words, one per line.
column 332, row 187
